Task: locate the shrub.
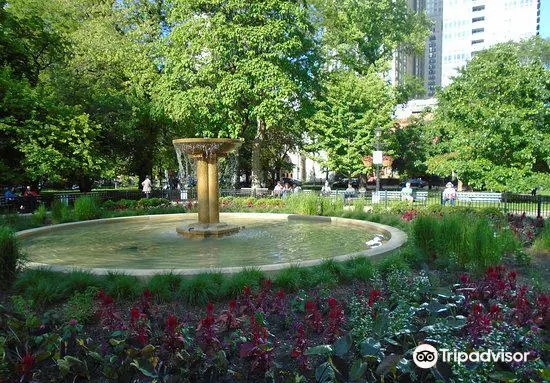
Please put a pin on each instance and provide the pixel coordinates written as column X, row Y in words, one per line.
column 57, row 211
column 293, row 278
column 40, row 215
column 234, row 285
column 121, row 285
column 542, row 243
column 331, row 206
column 163, row 286
column 424, row 231
column 79, row 281
column 153, row 202
column 86, row 208
column 303, row 203
column 10, row 257
column 202, row 288
column 81, row 306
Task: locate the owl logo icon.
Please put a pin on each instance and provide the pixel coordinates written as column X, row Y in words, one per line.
column 425, row 356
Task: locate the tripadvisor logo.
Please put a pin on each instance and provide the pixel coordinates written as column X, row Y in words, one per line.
column 425, row 356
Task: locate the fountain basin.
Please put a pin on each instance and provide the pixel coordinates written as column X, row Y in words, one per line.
column 149, row 245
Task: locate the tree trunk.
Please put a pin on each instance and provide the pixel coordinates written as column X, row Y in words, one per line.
column 236, row 176
column 303, row 175
column 256, row 151
column 85, row 184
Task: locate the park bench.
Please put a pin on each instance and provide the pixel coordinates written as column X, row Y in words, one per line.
column 473, row 197
column 251, row 192
column 395, row 195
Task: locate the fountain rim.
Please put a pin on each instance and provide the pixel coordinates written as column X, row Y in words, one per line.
column 198, row 140
column 397, row 238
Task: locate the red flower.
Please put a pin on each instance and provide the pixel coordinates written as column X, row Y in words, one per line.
column 373, row 296
column 246, row 290
column 134, row 315
column 267, row 284
column 464, row 279
column 27, row 363
column 331, row 302
column 512, row 276
column 171, row 323
column 147, row 294
column 310, row 305
column 281, row 294
column 209, row 308
column 232, row 304
column 477, row 309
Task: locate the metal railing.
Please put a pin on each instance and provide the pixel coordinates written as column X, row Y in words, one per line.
column 508, row 203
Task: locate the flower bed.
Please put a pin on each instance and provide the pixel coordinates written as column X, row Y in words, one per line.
column 361, row 331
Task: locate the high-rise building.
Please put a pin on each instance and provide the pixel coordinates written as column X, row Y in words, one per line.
column 460, row 29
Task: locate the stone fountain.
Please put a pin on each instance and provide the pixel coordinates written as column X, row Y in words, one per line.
column 206, row 152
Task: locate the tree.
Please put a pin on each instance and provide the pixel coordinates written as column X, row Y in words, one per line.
column 411, row 88
column 492, row 123
column 358, row 40
column 347, row 116
column 359, row 34
column 409, row 145
column 238, row 65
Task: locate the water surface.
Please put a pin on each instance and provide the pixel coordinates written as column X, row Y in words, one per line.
column 155, row 244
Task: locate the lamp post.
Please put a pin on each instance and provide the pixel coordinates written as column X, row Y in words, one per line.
column 377, row 133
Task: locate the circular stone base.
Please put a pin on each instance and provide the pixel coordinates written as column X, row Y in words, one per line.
column 198, row 230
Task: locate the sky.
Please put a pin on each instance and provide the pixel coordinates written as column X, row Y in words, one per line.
column 545, row 18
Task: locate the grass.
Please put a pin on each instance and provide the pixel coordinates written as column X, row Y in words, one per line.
column 10, row 257
column 201, row 288
column 122, row 285
column 163, row 287
column 542, row 243
column 462, row 240
column 234, row 284
column 86, row 208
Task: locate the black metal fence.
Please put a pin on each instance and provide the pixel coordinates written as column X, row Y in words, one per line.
column 507, row 202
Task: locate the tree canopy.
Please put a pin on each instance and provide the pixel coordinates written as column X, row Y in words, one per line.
column 492, row 124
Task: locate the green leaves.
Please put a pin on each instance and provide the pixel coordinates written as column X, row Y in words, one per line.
column 346, row 118
column 492, row 121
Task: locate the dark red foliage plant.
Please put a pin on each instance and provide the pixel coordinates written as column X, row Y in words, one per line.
column 313, row 317
column 206, row 332
column 229, row 319
column 299, row 348
column 139, row 326
column 258, row 350
column 336, row 320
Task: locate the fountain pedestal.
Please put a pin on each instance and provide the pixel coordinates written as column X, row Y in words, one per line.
column 206, row 152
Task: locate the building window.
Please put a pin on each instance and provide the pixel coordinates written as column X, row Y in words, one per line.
column 477, row 41
column 478, row 8
column 476, row 19
column 478, row 30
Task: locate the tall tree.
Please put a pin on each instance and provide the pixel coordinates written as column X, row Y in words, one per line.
column 493, row 121
column 358, row 34
column 358, row 38
column 239, row 65
column 352, row 107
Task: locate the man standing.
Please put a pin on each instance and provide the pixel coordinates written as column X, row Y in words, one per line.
column 146, row 186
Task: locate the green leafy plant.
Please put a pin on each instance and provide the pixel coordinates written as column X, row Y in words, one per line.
column 81, row 306
column 201, row 288
column 40, row 215
column 10, row 257
column 86, row 208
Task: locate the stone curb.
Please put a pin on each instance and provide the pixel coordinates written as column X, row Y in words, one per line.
column 396, row 239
